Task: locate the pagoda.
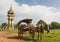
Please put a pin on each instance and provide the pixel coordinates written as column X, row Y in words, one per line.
column 10, row 18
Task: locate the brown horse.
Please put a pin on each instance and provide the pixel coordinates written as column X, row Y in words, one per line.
column 47, row 28
column 41, row 29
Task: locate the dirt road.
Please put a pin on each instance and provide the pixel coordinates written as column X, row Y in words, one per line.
column 5, row 38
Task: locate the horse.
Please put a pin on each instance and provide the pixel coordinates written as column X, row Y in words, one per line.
column 40, row 29
column 47, row 28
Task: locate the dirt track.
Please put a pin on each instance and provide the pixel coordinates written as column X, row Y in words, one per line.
column 4, row 38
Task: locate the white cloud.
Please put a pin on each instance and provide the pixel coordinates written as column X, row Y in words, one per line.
column 37, row 12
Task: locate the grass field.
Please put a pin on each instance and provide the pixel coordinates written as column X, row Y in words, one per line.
column 53, row 36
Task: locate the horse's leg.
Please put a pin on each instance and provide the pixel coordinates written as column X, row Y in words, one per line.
column 33, row 34
column 20, row 34
column 41, row 36
column 29, row 33
column 38, row 35
column 48, row 31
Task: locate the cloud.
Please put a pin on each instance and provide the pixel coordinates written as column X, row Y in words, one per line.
column 37, row 12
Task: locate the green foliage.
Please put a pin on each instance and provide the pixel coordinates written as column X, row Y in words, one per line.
column 55, row 25
column 41, row 22
column 3, row 25
column 0, row 26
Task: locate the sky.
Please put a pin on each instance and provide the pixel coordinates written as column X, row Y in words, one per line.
column 47, row 10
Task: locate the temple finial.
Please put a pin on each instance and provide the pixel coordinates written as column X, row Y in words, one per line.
column 11, row 10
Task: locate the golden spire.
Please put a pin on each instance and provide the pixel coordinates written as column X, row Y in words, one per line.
column 11, row 10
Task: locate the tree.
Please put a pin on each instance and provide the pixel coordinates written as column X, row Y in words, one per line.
column 55, row 25
column 0, row 27
column 41, row 22
column 3, row 26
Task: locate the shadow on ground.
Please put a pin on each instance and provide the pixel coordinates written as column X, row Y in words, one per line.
column 13, row 37
column 24, row 38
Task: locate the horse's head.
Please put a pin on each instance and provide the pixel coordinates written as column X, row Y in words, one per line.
column 47, row 28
